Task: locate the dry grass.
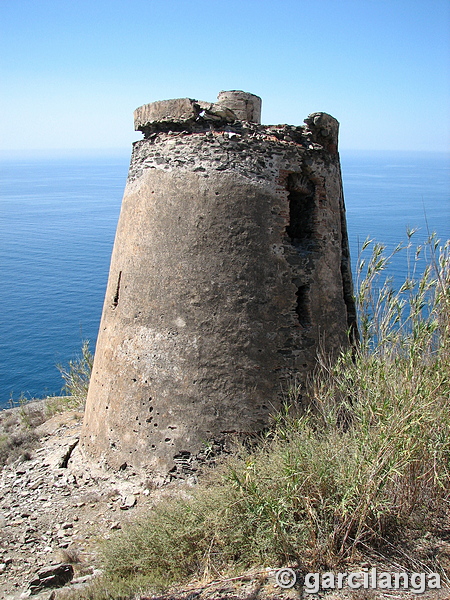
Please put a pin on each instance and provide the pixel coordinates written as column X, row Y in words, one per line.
column 17, row 446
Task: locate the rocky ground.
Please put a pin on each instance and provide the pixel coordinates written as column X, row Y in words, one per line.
column 54, row 508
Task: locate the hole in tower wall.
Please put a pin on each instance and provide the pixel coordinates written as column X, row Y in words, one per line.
column 347, row 284
column 116, row 295
column 303, row 306
column 301, row 199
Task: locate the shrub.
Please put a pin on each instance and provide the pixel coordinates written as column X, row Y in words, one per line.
column 77, row 376
column 16, row 446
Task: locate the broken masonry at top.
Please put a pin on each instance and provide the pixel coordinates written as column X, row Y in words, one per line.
column 230, row 271
column 230, row 106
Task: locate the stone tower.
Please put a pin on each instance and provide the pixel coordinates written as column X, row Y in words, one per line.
column 230, row 267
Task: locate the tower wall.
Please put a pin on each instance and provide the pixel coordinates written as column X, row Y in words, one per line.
column 230, row 267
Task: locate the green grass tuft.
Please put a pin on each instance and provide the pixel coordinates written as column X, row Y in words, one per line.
column 78, row 373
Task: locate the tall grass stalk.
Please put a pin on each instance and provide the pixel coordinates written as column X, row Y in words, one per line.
column 78, row 373
column 369, row 458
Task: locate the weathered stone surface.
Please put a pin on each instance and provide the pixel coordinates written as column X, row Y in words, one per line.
column 323, row 129
column 216, row 112
column 128, row 502
column 246, row 107
column 230, row 268
column 173, row 111
column 52, row 576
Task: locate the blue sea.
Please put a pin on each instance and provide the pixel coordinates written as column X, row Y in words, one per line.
column 57, row 224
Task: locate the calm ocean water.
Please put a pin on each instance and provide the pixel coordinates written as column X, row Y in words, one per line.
column 57, row 226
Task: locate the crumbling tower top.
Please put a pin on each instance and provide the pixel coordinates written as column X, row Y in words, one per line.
column 230, row 106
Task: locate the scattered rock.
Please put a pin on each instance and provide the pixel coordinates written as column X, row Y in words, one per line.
column 128, row 502
column 53, row 514
column 52, row 576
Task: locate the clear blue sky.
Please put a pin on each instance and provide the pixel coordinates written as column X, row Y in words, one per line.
column 73, row 71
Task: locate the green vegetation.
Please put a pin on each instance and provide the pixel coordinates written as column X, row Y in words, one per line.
column 363, row 464
column 76, row 377
column 17, row 430
column 16, row 446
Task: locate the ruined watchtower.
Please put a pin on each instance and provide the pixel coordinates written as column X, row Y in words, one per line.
column 230, row 266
